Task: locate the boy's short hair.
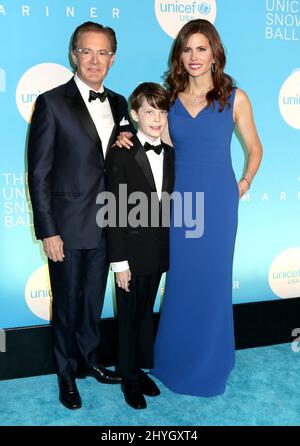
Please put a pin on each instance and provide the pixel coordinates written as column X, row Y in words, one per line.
column 154, row 93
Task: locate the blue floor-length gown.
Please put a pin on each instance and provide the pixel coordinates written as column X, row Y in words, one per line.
column 194, row 349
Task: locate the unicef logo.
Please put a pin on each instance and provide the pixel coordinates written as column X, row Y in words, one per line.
column 38, row 294
column 289, row 100
column 284, row 273
column 204, row 8
column 173, row 14
column 37, row 80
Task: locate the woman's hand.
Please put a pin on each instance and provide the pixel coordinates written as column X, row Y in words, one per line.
column 123, row 278
column 124, row 140
column 243, row 186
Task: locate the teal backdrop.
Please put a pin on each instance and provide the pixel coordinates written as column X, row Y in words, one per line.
column 262, row 41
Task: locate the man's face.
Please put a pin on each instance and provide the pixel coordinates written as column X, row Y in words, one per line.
column 93, row 67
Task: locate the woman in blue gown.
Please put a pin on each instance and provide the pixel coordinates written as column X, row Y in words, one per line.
column 195, row 350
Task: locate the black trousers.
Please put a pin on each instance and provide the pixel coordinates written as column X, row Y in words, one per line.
column 136, row 324
column 78, row 287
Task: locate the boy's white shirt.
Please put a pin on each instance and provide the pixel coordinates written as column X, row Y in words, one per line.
column 156, row 163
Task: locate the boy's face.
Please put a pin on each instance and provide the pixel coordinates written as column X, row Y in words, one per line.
column 151, row 121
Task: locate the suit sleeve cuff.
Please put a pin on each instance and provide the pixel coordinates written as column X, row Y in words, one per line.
column 118, row 267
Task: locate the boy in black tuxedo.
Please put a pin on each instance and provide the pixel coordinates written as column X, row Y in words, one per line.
column 139, row 251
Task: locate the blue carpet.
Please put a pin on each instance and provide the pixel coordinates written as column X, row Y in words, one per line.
column 263, row 390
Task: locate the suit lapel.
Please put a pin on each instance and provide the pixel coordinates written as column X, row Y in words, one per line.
column 167, row 170
column 142, row 160
column 82, row 113
column 113, row 102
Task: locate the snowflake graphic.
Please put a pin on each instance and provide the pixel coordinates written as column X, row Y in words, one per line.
column 204, row 8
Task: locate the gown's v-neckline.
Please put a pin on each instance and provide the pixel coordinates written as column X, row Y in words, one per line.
column 188, row 113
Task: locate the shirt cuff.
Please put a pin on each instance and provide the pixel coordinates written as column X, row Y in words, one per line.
column 118, row 267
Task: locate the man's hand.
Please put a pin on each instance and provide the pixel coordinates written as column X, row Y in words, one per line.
column 123, row 278
column 124, row 140
column 53, row 247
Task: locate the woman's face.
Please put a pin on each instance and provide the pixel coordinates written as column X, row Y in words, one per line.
column 197, row 56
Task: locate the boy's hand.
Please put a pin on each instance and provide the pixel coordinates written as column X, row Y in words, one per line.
column 123, row 140
column 123, row 278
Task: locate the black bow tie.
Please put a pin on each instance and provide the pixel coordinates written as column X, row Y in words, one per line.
column 157, row 149
column 94, row 95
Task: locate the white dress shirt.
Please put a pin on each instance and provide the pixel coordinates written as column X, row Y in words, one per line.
column 156, row 163
column 100, row 112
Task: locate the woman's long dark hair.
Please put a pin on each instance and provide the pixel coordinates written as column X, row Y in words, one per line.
column 177, row 77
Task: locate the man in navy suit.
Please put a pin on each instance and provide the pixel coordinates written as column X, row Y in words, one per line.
column 72, row 128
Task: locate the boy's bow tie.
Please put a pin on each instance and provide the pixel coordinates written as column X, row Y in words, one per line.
column 157, row 149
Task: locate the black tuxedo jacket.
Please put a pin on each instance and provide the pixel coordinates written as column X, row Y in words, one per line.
column 66, row 165
column 146, row 248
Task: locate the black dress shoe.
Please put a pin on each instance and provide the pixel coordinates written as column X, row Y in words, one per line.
column 68, row 394
column 147, row 385
column 103, row 375
column 133, row 395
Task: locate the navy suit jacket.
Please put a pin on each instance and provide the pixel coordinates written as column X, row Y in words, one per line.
column 66, row 165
